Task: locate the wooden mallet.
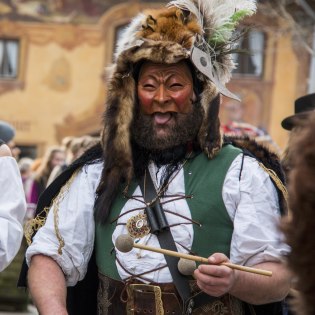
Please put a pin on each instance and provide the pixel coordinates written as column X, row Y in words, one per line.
column 124, row 243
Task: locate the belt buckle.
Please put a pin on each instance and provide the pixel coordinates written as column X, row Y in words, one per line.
column 131, row 288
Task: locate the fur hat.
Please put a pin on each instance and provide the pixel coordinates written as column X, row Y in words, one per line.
column 199, row 31
column 7, row 131
column 303, row 106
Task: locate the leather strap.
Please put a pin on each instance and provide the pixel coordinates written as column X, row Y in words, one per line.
column 160, row 227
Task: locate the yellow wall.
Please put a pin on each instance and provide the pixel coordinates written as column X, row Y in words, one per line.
column 285, row 88
column 60, row 81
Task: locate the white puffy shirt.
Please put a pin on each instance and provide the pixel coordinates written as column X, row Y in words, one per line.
column 12, row 210
column 251, row 202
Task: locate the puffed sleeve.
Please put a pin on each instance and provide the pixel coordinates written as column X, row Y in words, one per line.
column 252, row 203
column 70, row 220
column 12, row 210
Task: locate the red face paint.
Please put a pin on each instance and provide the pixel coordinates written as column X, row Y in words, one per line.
column 165, row 89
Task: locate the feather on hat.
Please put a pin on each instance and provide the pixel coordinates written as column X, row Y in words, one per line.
column 195, row 30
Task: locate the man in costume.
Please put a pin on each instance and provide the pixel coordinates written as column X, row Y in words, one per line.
column 303, row 107
column 166, row 179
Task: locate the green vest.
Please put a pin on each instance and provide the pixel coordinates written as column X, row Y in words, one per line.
column 204, row 180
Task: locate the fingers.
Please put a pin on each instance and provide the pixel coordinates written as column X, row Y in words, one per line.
column 218, row 258
column 215, row 271
column 215, row 279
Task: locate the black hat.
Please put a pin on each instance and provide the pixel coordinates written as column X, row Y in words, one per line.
column 7, row 131
column 302, row 107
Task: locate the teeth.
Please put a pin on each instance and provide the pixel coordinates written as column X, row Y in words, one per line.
column 162, row 118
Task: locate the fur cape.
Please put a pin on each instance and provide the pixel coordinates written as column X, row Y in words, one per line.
column 198, row 31
column 300, row 228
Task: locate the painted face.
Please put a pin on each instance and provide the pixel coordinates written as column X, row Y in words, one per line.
column 164, row 91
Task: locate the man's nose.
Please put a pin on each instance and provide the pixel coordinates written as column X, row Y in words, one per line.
column 162, row 95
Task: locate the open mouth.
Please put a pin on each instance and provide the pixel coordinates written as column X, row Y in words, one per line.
column 162, row 118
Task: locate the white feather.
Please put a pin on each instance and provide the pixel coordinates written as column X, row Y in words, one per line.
column 128, row 35
column 212, row 15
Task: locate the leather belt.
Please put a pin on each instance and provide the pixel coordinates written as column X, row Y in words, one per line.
column 137, row 298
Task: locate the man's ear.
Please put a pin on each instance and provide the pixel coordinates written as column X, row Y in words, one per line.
column 194, row 97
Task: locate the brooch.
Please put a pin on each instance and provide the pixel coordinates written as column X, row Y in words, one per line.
column 137, row 226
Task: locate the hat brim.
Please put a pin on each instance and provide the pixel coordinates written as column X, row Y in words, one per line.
column 290, row 122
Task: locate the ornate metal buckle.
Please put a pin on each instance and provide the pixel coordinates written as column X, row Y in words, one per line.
column 141, row 288
column 137, row 226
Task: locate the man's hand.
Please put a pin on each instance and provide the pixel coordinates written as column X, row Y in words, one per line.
column 214, row 279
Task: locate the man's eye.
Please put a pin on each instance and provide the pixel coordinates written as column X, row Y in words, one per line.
column 176, row 85
column 148, row 86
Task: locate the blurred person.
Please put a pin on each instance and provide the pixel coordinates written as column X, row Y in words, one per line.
column 303, row 107
column 299, row 229
column 36, row 164
column 25, row 166
column 235, row 125
column 53, row 156
column 81, row 144
column 76, row 147
column 66, row 144
column 12, row 201
column 8, row 133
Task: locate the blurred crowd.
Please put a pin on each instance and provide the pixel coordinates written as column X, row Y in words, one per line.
column 38, row 173
column 22, row 180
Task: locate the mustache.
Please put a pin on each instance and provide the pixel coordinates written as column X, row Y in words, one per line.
column 185, row 128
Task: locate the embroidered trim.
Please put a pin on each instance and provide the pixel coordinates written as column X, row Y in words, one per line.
column 277, row 181
column 35, row 224
column 103, row 300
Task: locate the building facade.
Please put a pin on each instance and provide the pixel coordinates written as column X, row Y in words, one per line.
column 53, row 55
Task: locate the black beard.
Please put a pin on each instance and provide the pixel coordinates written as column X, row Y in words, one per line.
column 185, row 129
column 170, row 150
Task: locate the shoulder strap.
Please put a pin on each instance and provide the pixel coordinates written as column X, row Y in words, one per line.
column 160, row 227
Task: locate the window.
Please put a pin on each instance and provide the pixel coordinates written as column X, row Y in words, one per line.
column 251, row 60
column 28, row 151
column 9, row 58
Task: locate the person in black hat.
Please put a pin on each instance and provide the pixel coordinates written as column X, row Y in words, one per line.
column 299, row 230
column 7, row 132
column 303, row 107
column 12, row 199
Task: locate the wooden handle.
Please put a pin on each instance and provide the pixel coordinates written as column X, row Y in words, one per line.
column 202, row 260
